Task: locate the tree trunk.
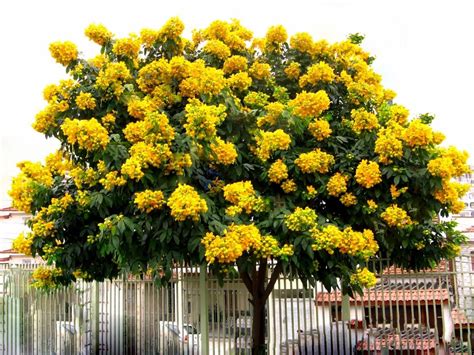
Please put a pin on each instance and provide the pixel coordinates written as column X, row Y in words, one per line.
column 255, row 284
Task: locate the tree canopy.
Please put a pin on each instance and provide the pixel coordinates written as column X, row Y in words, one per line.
column 233, row 150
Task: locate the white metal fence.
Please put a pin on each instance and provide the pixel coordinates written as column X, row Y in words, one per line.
column 428, row 312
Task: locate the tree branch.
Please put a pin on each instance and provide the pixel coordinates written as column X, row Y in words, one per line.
column 273, row 278
column 244, row 275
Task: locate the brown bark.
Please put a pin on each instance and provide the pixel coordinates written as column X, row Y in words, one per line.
column 255, row 284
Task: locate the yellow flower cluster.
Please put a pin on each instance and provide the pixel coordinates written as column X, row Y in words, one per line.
column 233, row 64
column 44, row 278
column 450, row 163
column 154, row 128
column 276, row 35
column 418, row 134
column 319, row 72
column 225, row 152
column 149, row 200
column 22, row 243
column 301, row 220
column 148, row 37
column 395, row 192
column 450, row 193
column 337, row 184
column 98, row 33
column 320, row 129
column 239, row 81
column 278, row 172
column 127, row 47
column 172, row 29
column 310, row 104
column 242, row 195
column 85, row 101
column 311, row 192
column 59, row 205
column 368, row 174
column 112, row 179
column 260, row 71
column 388, row 146
column 142, row 155
column 293, row 70
column 112, row 76
column 372, row 206
column 363, row 120
column 84, row 177
column 302, row 42
column 256, row 99
column 273, row 112
column 364, row 278
column 178, row 163
column 315, row 161
column 185, row 203
column 63, row 52
column 348, row 199
column 347, row 241
column 202, row 119
column 236, row 240
column 239, row 239
column 217, row 48
column 289, row 186
column 87, row 134
column 57, row 163
column 399, row 114
column 396, row 216
column 269, row 142
column 202, row 80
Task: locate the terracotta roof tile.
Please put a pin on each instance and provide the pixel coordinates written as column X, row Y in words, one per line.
column 460, row 319
column 393, row 270
column 388, row 297
column 394, row 341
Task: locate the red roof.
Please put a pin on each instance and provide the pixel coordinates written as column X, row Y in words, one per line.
column 393, row 270
column 8, row 209
column 460, row 319
column 469, row 230
column 388, row 297
column 396, row 342
column 5, row 216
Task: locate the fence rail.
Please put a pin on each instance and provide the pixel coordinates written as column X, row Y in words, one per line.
column 427, row 312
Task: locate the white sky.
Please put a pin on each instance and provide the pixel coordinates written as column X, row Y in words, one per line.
column 424, row 50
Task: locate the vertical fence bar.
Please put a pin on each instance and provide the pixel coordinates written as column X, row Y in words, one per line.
column 204, row 306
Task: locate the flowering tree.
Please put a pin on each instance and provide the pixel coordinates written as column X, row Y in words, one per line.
column 235, row 151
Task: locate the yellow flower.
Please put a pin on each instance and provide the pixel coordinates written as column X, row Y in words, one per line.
column 172, row 29
column 87, row 134
column 278, row 171
column 388, row 146
column 289, row 186
column 395, row 193
column 202, row 80
column 317, row 73
column 148, row 37
column 293, row 70
column 260, row 71
column 311, row 191
column 63, row 52
column 418, row 134
column 302, row 42
column 364, row 278
column 363, row 121
column 234, row 64
column 396, row 216
column 276, row 35
column 242, row 195
column 269, row 142
column 127, row 47
column 273, row 112
column 22, row 243
column 225, row 152
column 372, row 206
column 399, row 114
column 85, row 101
column 217, row 48
column 202, row 119
column 185, row 203
column 337, row 184
column 239, row 81
column 301, row 220
column 112, row 179
column 98, row 33
column 309, row 104
column 315, row 161
column 348, row 199
column 320, row 129
column 149, row 200
column 368, row 174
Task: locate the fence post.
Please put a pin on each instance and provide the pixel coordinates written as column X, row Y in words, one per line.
column 95, row 327
column 346, row 310
column 204, row 309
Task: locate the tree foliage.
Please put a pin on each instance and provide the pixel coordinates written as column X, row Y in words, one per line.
column 229, row 149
